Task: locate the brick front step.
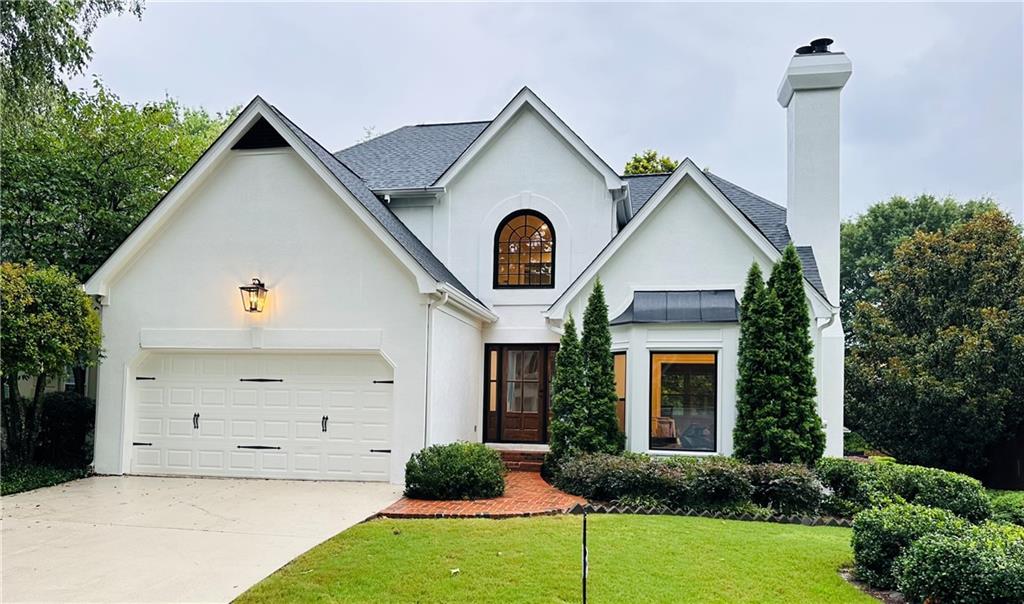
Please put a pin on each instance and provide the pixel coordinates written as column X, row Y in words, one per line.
column 522, row 461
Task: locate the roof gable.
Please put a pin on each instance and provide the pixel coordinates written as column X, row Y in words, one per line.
column 686, row 169
column 343, row 181
column 527, row 98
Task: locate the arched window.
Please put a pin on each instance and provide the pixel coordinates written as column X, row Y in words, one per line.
column 524, row 251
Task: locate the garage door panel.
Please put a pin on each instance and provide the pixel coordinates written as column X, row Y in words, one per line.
column 276, row 429
column 288, row 414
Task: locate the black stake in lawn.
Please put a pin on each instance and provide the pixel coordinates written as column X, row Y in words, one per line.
column 586, row 563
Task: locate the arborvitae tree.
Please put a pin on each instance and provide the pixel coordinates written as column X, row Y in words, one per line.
column 599, row 369
column 761, row 390
column 800, row 418
column 568, row 395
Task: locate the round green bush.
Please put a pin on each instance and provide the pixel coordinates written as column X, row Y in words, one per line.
column 881, row 534
column 786, row 488
column 458, row 470
column 1008, row 506
column 960, row 494
column 981, row 565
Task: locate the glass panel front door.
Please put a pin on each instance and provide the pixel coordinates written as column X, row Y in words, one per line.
column 516, row 392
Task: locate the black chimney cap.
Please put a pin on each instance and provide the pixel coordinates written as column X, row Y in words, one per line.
column 818, row 46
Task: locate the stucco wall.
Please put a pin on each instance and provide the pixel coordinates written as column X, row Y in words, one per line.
column 456, row 384
column 333, row 286
column 527, row 166
column 690, row 243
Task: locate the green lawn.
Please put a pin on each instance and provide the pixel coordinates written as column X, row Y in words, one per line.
column 15, row 479
column 632, row 559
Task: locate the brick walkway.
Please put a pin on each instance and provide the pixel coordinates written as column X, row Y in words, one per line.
column 526, row 494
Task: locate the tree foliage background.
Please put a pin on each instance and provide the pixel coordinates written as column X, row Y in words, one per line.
column 868, row 242
column 650, row 162
column 85, row 168
column 935, row 374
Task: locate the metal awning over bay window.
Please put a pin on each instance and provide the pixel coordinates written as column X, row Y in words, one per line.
column 688, row 306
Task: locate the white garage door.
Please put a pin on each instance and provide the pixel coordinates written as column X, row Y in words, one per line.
column 261, row 415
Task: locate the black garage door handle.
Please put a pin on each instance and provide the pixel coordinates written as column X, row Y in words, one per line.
column 257, row 447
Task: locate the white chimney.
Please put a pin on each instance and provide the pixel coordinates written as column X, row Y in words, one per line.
column 810, row 93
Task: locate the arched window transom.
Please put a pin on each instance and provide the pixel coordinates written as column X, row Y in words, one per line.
column 524, row 251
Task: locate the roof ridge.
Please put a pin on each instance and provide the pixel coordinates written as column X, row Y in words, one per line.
column 450, row 123
column 353, row 146
column 647, row 174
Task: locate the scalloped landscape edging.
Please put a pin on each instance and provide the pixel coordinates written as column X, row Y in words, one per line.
column 607, row 508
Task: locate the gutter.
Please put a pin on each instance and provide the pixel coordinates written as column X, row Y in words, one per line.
column 434, row 304
column 457, row 298
column 407, row 191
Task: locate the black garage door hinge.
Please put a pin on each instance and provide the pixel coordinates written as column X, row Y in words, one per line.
column 142, row 444
column 261, row 447
column 146, row 378
column 383, row 381
column 260, row 380
column 380, row 450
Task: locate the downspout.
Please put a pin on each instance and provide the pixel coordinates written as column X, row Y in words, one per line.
column 437, row 302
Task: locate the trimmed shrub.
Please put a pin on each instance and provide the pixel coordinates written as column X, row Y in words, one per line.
column 847, row 485
column 459, row 470
column 603, row 477
column 789, row 489
column 983, row 565
column 854, row 486
column 881, row 535
column 67, row 424
column 960, row 494
column 709, row 483
column 1008, row 506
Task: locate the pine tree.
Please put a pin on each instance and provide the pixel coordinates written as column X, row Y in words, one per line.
column 568, row 395
column 806, row 442
column 599, row 370
column 761, row 390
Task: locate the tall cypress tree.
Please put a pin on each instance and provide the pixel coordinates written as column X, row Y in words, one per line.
column 568, row 395
column 761, row 390
column 599, row 369
column 800, row 418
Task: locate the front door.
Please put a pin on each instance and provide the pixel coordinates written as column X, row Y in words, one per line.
column 518, row 391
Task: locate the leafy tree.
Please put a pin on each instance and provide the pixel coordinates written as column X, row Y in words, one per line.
column 936, row 374
column 42, row 41
column 49, row 324
column 649, row 162
column 800, row 414
column 761, row 387
column 599, row 369
column 868, row 241
column 82, row 173
column 568, row 395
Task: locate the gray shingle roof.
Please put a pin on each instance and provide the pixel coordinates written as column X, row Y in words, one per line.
column 412, row 156
column 768, row 217
column 416, row 156
column 423, row 256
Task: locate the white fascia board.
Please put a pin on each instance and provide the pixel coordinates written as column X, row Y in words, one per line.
column 523, row 98
column 461, row 300
column 686, row 169
column 98, row 283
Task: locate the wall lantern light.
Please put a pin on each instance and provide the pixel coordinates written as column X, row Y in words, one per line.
column 253, row 296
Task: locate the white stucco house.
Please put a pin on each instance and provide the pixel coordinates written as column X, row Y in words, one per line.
column 412, row 290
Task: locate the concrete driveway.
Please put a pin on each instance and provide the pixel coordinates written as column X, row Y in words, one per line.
column 141, row 539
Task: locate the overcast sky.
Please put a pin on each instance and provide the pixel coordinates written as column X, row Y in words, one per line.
column 934, row 104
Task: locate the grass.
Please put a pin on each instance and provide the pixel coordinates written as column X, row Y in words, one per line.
column 632, row 559
column 19, row 478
